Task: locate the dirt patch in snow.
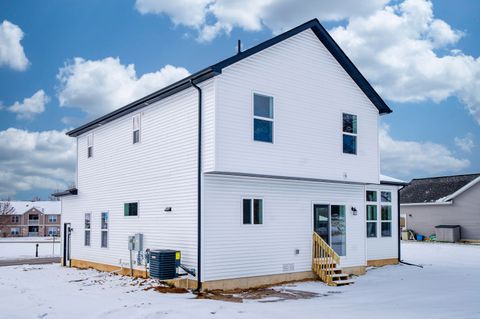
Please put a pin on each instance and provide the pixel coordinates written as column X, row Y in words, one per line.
column 261, row 294
column 167, row 289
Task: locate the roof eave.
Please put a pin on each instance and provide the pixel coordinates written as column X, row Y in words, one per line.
column 176, row 87
column 68, row 192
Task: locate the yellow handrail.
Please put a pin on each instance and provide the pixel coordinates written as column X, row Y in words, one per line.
column 324, row 259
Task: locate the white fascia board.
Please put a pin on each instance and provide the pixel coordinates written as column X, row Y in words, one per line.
column 463, row 189
column 428, row 204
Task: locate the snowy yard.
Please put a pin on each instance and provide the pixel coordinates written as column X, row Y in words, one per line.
column 447, row 287
column 24, row 247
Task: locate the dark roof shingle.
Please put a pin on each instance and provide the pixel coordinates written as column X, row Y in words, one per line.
column 427, row 190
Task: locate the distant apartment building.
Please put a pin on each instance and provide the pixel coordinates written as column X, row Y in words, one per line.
column 31, row 219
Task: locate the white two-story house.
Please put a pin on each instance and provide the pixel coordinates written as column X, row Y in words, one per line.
column 262, row 168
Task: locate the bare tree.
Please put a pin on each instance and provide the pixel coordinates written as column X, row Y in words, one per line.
column 6, row 210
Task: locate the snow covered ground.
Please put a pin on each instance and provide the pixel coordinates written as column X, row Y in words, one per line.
column 447, row 287
column 21, row 248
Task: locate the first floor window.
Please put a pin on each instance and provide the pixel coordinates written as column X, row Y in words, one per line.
column 371, row 220
column 52, row 231
column 104, row 230
column 262, row 118
column 349, row 133
column 15, row 231
column 386, row 197
column 386, row 217
column 130, row 209
column 87, row 226
column 252, row 211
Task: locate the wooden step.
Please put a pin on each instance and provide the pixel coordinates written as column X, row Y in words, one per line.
column 343, row 282
column 338, row 276
column 334, row 270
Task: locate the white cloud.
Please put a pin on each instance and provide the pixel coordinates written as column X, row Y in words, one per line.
column 30, row 106
column 466, row 143
column 11, row 51
column 101, row 86
column 212, row 17
column 35, row 160
column 404, row 158
column 397, row 49
column 396, row 46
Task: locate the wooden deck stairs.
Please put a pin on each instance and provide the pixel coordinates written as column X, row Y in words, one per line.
column 325, row 263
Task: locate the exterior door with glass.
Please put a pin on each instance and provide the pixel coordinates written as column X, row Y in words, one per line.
column 330, row 224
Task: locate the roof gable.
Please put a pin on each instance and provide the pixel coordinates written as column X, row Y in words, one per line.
column 435, row 189
column 217, row 68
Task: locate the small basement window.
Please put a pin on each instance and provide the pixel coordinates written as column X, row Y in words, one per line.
column 130, row 209
column 262, row 118
column 252, row 211
column 349, row 133
column 136, row 129
column 90, row 145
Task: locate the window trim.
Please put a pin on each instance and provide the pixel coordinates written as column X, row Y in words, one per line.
column 253, row 116
column 351, row 134
column 138, row 209
column 139, row 128
column 252, row 198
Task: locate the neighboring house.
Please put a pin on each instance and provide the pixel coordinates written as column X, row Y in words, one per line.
column 445, row 200
column 286, row 156
column 39, row 218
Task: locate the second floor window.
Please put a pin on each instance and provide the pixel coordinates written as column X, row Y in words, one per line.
column 136, row 128
column 15, row 219
column 262, row 118
column 90, row 145
column 52, row 218
column 349, row 133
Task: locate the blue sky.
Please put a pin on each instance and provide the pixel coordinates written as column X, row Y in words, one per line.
column 430, row 108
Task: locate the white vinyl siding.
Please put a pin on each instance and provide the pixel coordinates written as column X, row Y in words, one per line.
column 158, row 172
column 233, row 250
column 311, row 91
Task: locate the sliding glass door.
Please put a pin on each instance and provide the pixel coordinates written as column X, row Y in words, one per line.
column 330, row 224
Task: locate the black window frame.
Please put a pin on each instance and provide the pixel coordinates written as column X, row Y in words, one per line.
column 129, row 208
column 262, row 119
column 253, row 211
column 351, row 133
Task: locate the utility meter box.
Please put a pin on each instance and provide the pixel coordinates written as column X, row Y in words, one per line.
column 135, row 242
